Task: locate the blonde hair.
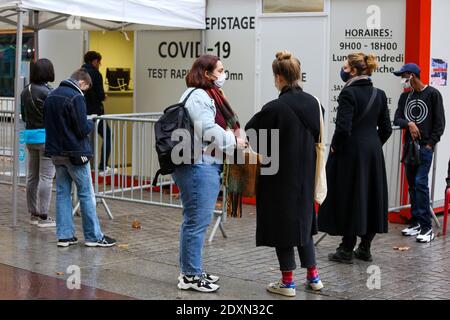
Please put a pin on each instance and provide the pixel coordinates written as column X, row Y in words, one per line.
column 364, row 64
column 287, row 66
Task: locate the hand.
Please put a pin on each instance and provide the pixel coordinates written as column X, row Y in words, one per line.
column 241, row 143
column 415, row 132
column 429, row 146
column 331, row 149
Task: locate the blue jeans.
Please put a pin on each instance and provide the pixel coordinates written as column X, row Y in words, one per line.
column 419, row 191
column 199, row 186
column 81, row 175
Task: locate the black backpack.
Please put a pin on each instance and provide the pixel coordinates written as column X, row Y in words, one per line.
column 174, row 117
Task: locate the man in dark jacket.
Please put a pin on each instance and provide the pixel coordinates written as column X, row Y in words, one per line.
column 67, row 143
column 421, row 111
column 94, row 101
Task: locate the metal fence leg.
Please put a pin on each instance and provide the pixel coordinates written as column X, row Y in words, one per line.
column 75, row 209
column 221, row 217
column 435, row 219
column 320, row 239
column 107, row 209
column 214, row 230
column 222, row 229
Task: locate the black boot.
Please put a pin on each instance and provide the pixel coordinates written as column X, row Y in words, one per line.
column 363, row 253
column 342, row 255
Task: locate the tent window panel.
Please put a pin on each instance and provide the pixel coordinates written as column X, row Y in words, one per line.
column 292, row 6
column 8, row 59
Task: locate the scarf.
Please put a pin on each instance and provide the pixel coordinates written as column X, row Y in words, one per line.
column 225, row 116
column 227, row 119
column 354, row 79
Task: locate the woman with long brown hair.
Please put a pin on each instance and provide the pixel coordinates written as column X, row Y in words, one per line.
column 199, row 182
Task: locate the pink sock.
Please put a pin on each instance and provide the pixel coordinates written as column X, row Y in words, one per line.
column 312, row 272
column 287, row 277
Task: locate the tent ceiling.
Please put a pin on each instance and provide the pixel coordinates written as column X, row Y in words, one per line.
column 105, row 15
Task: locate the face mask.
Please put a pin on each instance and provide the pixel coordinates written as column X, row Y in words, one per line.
column 406, row 83
column 345, row 76
column 219, row 82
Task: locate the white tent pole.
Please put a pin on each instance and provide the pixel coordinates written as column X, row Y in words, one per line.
column 17, row 89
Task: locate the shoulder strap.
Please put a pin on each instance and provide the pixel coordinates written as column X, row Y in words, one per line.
column 321, row 121
column 187, row 97
column 369, row 105
column 32, row 101
column 308, row 128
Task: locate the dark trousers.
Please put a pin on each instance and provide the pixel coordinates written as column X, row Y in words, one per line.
column 349, row 242
column 106, row 144
column 286, row 256
column 419, row 191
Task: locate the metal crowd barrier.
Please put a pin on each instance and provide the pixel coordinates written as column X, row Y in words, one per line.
column 396, row 188
column 133, row 164
column 7, row 145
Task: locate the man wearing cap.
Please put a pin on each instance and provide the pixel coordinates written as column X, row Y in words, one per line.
column 421, row 111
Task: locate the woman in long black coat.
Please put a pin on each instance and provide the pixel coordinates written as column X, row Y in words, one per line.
column 285, row 199
column 357, row 199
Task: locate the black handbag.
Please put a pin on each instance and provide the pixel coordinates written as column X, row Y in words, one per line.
column 411, row 155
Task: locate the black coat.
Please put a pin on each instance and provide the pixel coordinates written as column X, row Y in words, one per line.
column 32, row 105
column 96, row 94
column 285, row 201
column 357, row 199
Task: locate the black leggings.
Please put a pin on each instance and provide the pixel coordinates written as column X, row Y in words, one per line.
column 286, row 256
column 349, row 242
column 106, row 144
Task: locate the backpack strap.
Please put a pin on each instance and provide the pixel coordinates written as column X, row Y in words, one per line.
column 182, row 103
column 187, row 97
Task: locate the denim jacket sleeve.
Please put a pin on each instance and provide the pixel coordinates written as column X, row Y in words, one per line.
column 202, row 111
column 80, row 124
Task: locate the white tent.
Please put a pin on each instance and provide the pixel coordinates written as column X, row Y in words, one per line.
column 105, row 14
column 90, row 15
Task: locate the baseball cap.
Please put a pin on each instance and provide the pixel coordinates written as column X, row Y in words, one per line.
column 409, row 67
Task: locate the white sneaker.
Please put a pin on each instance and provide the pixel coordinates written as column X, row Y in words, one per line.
column 34, row 220
column 196, row 283
column 412, row 230
column 211, row 278
column 47, row 223
column 279, row 287
column 426, row 236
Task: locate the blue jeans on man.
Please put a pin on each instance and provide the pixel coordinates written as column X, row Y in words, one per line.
column 419, row 191
column 66, row 173
column 199, row 186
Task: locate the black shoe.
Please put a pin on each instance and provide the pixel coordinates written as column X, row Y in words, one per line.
column 67, row 242
column 342, row 256
column 363, row 254
column 105, row 242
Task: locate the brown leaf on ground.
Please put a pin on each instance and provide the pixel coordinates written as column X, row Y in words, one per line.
column 401, row 248
column 123, row 245
column 136, row 224
column 60, row 273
